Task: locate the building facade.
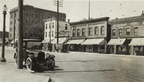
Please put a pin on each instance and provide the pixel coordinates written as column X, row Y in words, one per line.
column 127, row 35
column 50, row 34
column 89, row 35
column 33, row 24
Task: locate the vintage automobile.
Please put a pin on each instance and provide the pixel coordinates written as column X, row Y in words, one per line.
column 33, row 56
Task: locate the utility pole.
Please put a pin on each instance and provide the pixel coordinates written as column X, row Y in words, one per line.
column 14, row 30
column 20, row 33
column 58, row 4
column 89, row 11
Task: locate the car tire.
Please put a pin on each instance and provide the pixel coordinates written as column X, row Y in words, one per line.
column 29, row 65
column 51, row 64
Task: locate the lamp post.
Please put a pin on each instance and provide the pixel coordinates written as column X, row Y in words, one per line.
column 3, row 42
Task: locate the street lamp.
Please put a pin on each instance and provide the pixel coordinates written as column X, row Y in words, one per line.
column 3, row 43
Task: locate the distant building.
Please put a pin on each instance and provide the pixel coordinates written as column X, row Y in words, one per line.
column 33, row 24
column 50, row 33
column 89, row 35
column 127, row 35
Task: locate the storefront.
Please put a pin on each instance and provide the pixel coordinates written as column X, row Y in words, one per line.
column 60, row 45
column 94, row 45
column 75, row 45
column 119, row 46
column 137, row 46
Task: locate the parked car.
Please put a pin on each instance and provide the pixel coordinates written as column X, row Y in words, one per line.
column 33, row 56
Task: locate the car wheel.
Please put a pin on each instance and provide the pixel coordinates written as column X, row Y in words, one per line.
column 51, row 64
column 29, row 65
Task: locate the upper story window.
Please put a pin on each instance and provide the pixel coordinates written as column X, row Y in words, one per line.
column 73, row 32
column 120, row 32
column 26, row 34
column 52, row 33
column 53, row 25
column 66, row 26
column 90, row 31
column 113, row 32
column 11, row 22
column 102, row 30
column 135, row 30
column 46, row 26
column 31, row 34
column 78, row 32
column 49, row 25
column 96, row 31
column 127, row 31
column 11, row 16
column 83, row 31
column 45, row 34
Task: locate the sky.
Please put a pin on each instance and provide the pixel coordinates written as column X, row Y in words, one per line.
column 77, row 10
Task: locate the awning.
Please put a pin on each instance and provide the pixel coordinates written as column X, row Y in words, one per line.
column 13, row 41
column 46, row 41
column 137, row 42
column 93, row 42
column 61, row 41
column 78, row 41
column 116, row 41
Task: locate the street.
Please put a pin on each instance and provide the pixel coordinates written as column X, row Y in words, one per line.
column 79, row 67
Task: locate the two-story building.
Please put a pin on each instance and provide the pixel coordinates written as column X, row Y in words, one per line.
column 127, row 35
column 89, row 35
column 50, row 34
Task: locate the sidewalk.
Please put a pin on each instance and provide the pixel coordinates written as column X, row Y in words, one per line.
column 10, row 73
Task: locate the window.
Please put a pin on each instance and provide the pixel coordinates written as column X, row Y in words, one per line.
column 11, row 22
column 83, row 31
column 113, row 32
column 45, row 34
column 73, row 32
column 46, row 26
column 26, row 34
column 49, row 25
column 90, row 31
column 52, row 33
column 65, row 26
column 78, row 32
column 53, row 24
column 96, row 31
column 31, row 34
column 120, row 32
column 135, row 30
column 102, row 30
column 127, row 31
column 49, row 34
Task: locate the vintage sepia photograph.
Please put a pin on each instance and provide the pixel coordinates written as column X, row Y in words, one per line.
column 71, row 40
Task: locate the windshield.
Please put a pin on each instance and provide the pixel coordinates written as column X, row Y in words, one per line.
column 34, row 45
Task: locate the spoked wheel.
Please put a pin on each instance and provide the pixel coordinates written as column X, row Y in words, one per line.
column 29, row 65
column 51, row 64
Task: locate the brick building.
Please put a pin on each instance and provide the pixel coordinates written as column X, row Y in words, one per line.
column 33, row 24
column 127, row 35
column 89, row 35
